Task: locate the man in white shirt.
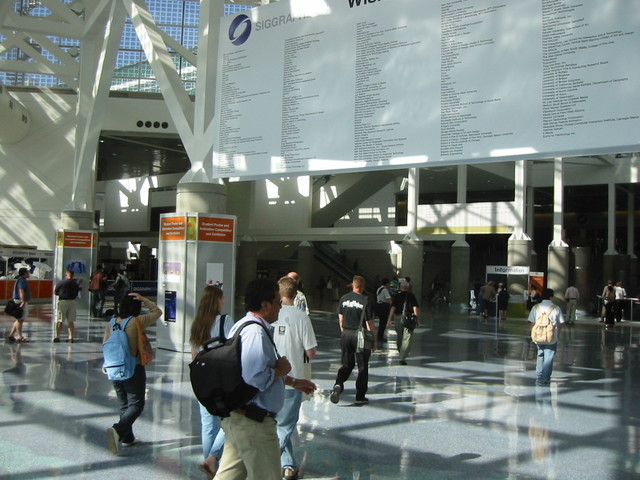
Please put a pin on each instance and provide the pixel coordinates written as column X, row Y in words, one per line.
column 294, row 337
column 547, row 350
column 571, row 296
column 621, row 294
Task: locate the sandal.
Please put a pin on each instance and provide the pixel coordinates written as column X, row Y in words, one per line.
column 23, row 339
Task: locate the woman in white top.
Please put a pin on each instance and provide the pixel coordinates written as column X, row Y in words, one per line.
column 209, row 323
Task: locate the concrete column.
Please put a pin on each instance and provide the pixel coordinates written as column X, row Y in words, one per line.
column 460, row 270
column 77, row 220
column 201, row 197
column 632, row 273
column 609, row 264
column 558, row 272
column 246, row 268
column 558, row 251
column 582, row 275
column 518, row 255
column 412, row 265
column 306, row 270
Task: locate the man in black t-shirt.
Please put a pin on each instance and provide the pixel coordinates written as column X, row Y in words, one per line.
column 354, row 308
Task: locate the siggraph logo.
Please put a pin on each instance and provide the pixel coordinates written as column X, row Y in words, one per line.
column 240, row 29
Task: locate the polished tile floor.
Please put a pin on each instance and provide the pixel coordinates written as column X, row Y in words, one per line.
column 465, row 407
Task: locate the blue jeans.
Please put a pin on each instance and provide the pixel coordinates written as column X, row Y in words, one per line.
column 212, row 434
column 130, row 394
column 544, row 364
column 287, row 419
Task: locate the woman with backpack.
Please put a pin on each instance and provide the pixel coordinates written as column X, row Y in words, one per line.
column 210, row 323
column 130, row 391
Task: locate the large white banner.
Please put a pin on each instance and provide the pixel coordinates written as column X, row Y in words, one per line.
column 317, row 86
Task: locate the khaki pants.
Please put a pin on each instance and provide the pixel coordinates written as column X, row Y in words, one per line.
column 251, row 449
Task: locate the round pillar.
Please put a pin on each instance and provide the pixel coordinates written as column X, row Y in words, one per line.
column 460, row 270
column 558, row 271
column 412, row 265
column 582, row 275
column 201, row 197
column 77, row 220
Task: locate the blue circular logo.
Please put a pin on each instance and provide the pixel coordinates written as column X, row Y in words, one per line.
column 240, row 29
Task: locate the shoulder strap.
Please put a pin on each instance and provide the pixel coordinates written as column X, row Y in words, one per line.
column 223, row 319
column 241, row 327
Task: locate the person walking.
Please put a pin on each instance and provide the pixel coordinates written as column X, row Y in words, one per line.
column 502, row 299
column 571, row 296
column 404, row 303
column 21, row 296
column 67, row 291
column 382, row 307
column 121, row 287
column 98, row 289
column 546, row 350
column 130, row 392
column 251, row 449
column 209, row 323
column 295, row 339
column 354, row 312
column 608, row 301
column 621, row 295
column 300, row 302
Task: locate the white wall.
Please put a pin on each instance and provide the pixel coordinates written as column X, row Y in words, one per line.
column 281, row 203
column 36, row 173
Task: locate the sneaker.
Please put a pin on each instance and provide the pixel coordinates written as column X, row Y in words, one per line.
column 112, row 440
column 56, row 340
column 362, row 401
column 132, row 443
column 335, row 394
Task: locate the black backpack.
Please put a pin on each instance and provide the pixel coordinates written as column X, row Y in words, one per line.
column 216, row 375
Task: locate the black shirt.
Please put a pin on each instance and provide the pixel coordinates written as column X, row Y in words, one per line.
column 67, row 289
column 399, row 299
column 351, row 306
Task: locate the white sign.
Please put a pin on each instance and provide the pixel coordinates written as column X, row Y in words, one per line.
column 506, row 270
column 316, row 86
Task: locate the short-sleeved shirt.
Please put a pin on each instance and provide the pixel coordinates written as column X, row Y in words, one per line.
column 300, row 302
column 555, row 317
column 293, row 334
column 399, row 299
column 382, row 295
column 67, row 289
column 351, row 307
column 259, row 359
column 22, row 283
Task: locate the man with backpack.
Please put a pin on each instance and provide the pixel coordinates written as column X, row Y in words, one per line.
column 547, row 320
column 251, row 447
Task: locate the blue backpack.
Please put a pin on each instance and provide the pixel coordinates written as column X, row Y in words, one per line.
column 118, row 364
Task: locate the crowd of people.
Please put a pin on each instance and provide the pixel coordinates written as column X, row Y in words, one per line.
column 277, row 348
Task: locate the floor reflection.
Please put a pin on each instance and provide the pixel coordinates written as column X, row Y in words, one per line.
column 464, row 406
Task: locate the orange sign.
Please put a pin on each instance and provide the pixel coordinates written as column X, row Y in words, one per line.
column 173, row 228
column 78, row 239
column 215, row 229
